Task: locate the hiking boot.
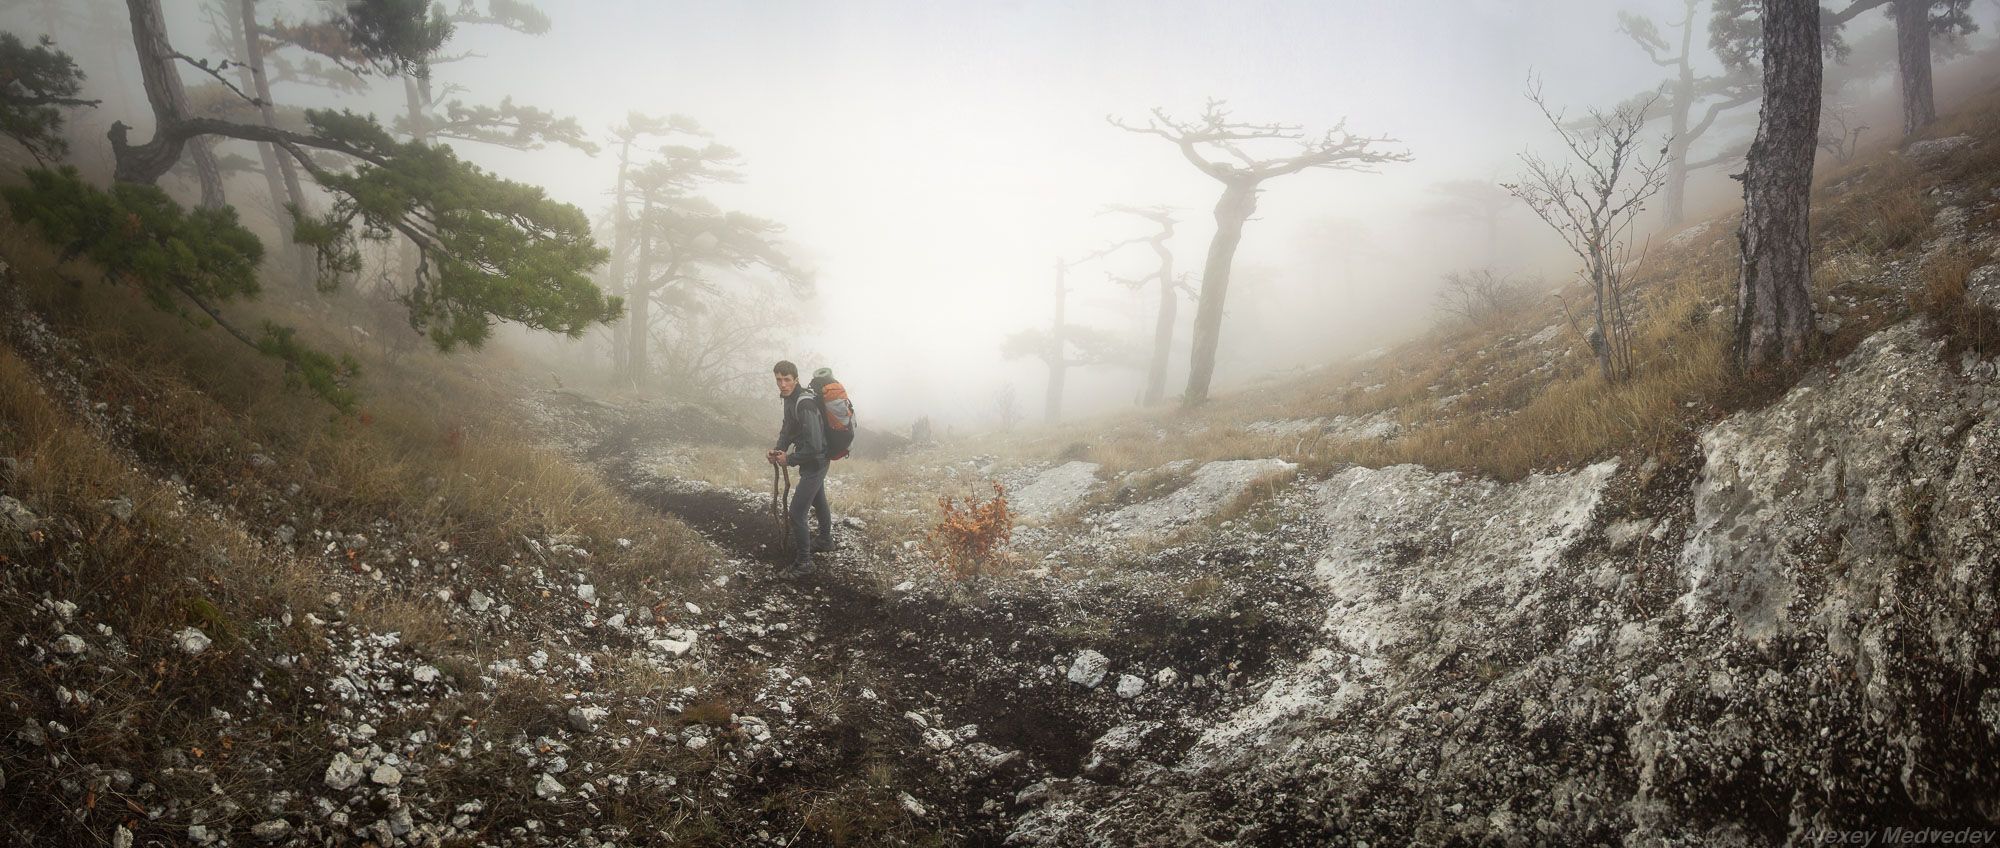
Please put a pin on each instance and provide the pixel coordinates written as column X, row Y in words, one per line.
column 824, row 546
column 797, row 569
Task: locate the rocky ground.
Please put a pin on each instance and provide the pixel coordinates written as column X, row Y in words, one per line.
column 1790, row 628
column 987, row 697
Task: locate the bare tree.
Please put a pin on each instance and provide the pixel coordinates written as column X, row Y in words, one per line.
column 1917, row 23
column 1682, row 93
column 1840, row 131
column 160, row 73
column 1163, row 278
column 1591, row 199
column 240, row 34
column 725, row 348
column 1216, row 146
column 1478, row 294
column 1064, row 345
column 1774, row 311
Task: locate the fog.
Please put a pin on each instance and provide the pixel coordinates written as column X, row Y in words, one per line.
column 933, row 162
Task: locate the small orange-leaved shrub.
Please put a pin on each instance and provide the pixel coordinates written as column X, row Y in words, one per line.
column 968, row 533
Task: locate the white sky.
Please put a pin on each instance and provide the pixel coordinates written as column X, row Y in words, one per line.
column 933, row 160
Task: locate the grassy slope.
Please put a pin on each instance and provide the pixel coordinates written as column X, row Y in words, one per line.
column 1485, row 398
column 105, row 401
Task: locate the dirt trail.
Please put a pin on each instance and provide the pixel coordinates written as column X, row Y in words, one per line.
column 995, row 660
column 917, row 650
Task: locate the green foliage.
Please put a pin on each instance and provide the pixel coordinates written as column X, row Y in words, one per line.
column 140, row 237
column 398, row 36
column 507, row 125
column 492, row 249
column 325, row 376
column 36, row 83
column 512, row 14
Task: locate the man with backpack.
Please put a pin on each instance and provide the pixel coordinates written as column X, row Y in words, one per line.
column 818, row 428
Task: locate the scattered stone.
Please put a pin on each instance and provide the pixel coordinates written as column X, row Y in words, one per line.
column 1936, row 147
column 426, row 674
column 272, row 830
column 122, row 837
column 478, row 601
column 343, row 773
column 70, row 644
column 1129, row 686
column 587, row 719
column 387, row 775
column 587, row 593
column 548, row 789
column 16, row 516
column 910, row 805
column 1621, row 535
column 192, row 641
column 1088, row 669
column 120, row 508
column 1166, row 677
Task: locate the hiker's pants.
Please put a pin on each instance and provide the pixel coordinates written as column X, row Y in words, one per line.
column 810, row 494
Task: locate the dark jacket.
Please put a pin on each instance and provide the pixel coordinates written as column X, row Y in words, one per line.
column 803, row 433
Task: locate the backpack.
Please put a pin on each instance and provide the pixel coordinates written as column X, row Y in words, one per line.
column 839, row 412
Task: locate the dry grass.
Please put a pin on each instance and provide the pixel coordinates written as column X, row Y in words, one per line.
column 434, row 445
column 1966, row 324
column 1514, row 408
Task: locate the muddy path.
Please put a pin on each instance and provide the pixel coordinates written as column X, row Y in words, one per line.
column 918, row 653
column 986, row 669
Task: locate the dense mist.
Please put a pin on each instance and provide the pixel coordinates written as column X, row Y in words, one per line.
column 928, row 167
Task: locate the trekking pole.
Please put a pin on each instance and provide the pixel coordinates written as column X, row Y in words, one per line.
column 781, row 506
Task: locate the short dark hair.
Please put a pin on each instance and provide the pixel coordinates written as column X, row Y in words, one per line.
column 786, row 368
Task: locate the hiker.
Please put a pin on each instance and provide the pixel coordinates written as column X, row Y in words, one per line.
column 802, row 442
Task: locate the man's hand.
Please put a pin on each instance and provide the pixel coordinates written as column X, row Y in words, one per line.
column 775, row 457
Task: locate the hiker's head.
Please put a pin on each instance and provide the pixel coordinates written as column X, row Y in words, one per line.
column 788, row 377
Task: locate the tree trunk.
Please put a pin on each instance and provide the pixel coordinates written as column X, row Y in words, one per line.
column 1057, row 355
column 413, row 104
column 162, row 80
column 278, row 170
column 620, row 232
column 1239, row 201
column 1163, row 327
column 1774, row 314
column 1673, row 206
column 640, row 307
column 1913, row 64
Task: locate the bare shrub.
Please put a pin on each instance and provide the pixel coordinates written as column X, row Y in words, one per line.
column 1592, row 200
column 1478, row 295
column 969, row 533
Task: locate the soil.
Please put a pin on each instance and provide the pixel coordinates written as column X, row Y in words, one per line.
column 995, row 659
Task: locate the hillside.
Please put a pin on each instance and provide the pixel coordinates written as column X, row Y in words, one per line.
column 1457, row 593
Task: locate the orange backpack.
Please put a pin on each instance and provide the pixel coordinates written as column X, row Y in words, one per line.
column 839, row 412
